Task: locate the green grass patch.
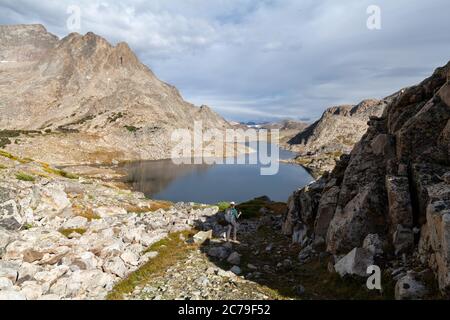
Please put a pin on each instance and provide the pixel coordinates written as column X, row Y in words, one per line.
column 170, row 250
column 4, row 142
column 115, row 116
column 68, row 232
column 87, row 213
column 8, row 155
column 59, row 172
column 132, row 128
column 251, row 209
column 5, row 134
column 223, row 205
column 335, row 154
column 151, row 207
column 24, row 177
column 302, row 161
column 10, row 133
column 2, row 166
column 156, row 205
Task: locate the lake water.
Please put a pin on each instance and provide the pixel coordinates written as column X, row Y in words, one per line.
column 210, row 184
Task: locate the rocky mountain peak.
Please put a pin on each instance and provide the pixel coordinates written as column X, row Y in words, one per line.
column 86, row 86
column 21, row 43
column 95, row 52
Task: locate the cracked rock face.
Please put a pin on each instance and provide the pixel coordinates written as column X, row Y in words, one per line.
column 393, row 187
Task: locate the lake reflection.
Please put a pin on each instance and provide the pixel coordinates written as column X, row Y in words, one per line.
column 164, row 180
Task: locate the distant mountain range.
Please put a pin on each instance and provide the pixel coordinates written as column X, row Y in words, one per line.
column 322, row 143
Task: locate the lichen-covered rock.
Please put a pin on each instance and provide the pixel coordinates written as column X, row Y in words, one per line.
column 438, row 225
column 409, row 288
column 374, row 244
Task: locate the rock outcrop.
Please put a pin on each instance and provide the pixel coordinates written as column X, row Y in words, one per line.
column 321, row 144
column 85, row 100
column 394, row 187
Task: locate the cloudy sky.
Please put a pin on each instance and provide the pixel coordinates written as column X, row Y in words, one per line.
column 265, row 59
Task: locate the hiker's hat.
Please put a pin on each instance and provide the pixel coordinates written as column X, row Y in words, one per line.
column 233, row 203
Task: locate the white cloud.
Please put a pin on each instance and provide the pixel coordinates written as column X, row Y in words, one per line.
column 268, row 58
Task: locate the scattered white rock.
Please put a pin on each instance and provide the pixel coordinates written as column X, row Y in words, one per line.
column 116, row 266
column 355, row 263
column 130, row 258
column 5, row 238
column 52, row 200
column 76, row 223
column 28, row 270
column 9, row 270
column 5, row 283
column 51, row 276
column 202, row 236
column 11, row 295
column 225, row 274
column 31, row 290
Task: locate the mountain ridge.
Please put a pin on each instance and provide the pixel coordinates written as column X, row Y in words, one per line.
column 83, row 87
column 322, row 143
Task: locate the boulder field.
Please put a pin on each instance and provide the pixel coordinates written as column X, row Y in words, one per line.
column 75, row 238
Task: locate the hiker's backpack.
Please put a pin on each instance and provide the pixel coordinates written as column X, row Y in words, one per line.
column 229, row 216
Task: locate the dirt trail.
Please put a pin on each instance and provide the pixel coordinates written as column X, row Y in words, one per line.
column 269, row 269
